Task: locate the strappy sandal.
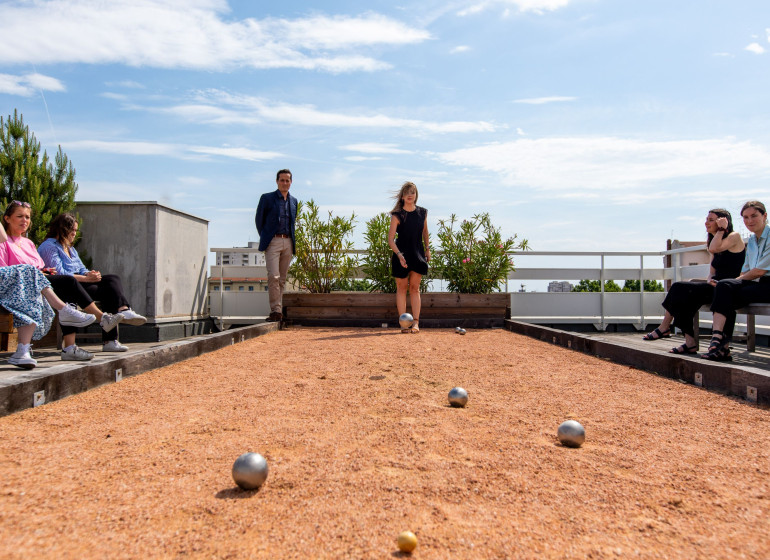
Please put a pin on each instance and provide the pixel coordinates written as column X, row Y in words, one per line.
column 718, row 351
column 684, row 349
column 656, row 334
column 415, row 329
column 406, row 331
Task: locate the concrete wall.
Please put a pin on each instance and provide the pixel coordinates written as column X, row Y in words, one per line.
column 160, row 253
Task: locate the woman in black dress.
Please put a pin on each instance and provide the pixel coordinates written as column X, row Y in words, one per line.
column 684, row 299
column 411, row 253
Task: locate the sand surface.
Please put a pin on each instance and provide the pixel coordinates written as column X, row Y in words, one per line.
column 362, row 444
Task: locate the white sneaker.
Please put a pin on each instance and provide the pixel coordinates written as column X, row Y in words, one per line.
column 114, row 346
column 71, row 316
column 131, row 317
column 76, row 355
column 23, row 360
column 110, row 321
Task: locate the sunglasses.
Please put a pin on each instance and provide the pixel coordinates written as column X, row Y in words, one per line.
column 19, row 203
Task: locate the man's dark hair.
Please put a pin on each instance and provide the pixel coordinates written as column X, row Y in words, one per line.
column 278, row 175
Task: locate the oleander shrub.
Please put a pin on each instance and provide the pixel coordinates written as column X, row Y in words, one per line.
column 475, row 258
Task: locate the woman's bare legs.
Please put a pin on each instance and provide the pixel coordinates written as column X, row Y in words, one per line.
column 52, row 298
column 24, row 334
column 402, row 284
column 665, row 324
column 414, row 299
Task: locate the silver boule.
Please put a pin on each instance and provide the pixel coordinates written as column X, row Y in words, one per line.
column 571, row 433
column 458, row 397
column 461, row 331
column 458, row 329
column 406, row 320
column 250, row 471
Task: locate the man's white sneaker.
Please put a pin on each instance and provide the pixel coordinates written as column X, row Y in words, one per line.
column 75, row 354
column 131, row 317
column 23, row 360
column 110, row 321
column 114, row 346
column 71, row 316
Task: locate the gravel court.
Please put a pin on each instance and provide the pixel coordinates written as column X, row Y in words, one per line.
column 362, row 444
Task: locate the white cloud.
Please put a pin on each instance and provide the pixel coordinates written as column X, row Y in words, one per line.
column 534, row 6
column 28, row 84
column 218, row 107
column 460, row 49
column 543, row 100
column 193, row 34
column 756, row 48
column 130, row 84
column 608, row 164
column 362, row 158
column 168, row 150
column 375, row 148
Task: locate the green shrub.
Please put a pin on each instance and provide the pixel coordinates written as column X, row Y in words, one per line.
column 321, row 262
column 475, row 258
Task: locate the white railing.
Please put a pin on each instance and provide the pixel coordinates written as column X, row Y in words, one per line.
column 598, row 308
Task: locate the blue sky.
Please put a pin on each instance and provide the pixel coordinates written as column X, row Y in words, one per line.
column 578, row 124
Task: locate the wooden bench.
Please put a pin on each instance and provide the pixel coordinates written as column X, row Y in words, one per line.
column 751, row 311
column 6, row 328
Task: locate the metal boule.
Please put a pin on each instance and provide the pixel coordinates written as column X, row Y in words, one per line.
column 250, row 471
column 458, row 397
column 406, row 320
column 571, row 433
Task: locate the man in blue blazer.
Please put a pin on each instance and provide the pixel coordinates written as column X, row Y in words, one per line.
column 276, row 214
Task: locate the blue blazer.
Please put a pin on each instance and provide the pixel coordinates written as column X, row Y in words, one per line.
column 268, row 213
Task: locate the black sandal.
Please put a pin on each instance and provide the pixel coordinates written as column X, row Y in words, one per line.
column 684, row 349
column 656, row 334
column 718, row 351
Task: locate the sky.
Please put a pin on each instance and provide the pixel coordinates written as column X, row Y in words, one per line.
column 580, row 125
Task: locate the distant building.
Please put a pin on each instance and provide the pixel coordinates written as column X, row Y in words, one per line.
column 559, row 287
column 241, row 258
column 239, row 282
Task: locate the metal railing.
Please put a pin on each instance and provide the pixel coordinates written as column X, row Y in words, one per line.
column 647, row 305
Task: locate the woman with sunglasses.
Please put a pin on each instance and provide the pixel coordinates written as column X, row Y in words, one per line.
column 18, row 249
column 21, row 288
column 751, row 286
column 684, row 299
column 58, row 253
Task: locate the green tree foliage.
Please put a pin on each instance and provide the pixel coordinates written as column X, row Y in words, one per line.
column 321, row 263
column 475, row 258
column 595, row 286
column 27, row 176
column 376, row 263
column 649, row 286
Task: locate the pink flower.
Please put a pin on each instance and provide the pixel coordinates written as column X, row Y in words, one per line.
column 500, row 246
column 465, row 261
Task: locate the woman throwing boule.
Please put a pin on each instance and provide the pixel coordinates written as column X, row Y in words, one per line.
column 408, row 238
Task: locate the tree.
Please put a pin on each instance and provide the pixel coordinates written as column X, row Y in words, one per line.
column 25, row 175
column 595, row 286
column 649, row 286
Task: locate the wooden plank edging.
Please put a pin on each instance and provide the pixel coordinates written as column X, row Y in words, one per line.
column 720, row 377
column 58, row 382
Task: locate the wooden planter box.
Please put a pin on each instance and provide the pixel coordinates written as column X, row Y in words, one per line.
column 361, row 309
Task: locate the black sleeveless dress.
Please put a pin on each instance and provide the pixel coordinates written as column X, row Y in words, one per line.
column 684, row 299
column 409, row 242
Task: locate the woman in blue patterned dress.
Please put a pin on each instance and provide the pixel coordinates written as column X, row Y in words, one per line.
column 27, row 295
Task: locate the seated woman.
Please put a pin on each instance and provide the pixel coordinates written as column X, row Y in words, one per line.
column 21, row 288
column 17, row 249
column 684, row 299
column 751, row 286
column 59, row 254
